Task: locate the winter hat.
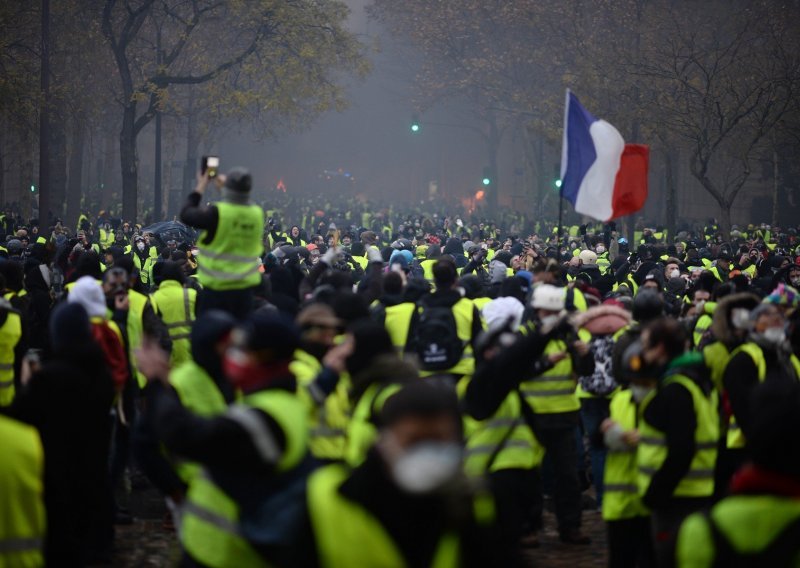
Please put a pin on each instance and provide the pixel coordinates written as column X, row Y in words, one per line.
column 548, row 297
column 88, row 293
column 784, row 296
column 273, row 337
column 498, row 312
column 69, row 327
column 239, row 180
column 497, row 271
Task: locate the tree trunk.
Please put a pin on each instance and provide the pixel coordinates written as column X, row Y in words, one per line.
column 725, row 219
column 671, row 193
column 44, row 117
column 58, row 171
column 192, row 142
column 775, row 180
column 128, row 163
column 75, row 172
column 493, row 146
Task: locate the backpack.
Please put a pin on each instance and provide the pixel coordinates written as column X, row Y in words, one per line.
column 434, row 338
column 601, row 382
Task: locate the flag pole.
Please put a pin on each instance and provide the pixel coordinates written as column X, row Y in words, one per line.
column 562, row 173
column 560, row 215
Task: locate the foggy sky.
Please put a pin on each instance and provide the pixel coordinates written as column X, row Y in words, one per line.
column 372, row 139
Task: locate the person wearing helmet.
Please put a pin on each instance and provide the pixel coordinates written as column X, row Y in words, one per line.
column 549, row 390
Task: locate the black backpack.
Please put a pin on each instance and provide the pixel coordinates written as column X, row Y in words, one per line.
column 434, row 338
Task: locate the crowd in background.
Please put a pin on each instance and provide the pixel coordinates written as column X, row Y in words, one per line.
column 325, row 382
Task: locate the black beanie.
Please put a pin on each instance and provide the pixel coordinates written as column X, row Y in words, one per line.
column 69, row 327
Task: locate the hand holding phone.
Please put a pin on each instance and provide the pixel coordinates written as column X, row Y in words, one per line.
column 210, row 165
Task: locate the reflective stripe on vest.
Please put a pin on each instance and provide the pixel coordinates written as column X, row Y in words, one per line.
column 24, row 522
column 621, row 498
column 699, row 480
column 230, row 260
column 211, row 524
column 553, row 391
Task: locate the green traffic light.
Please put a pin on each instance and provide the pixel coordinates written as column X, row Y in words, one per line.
column 558, row 183
column 486, row 181
column 415, row 128
column 33, row 188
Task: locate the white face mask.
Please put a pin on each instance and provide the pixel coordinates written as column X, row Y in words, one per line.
column 140, row 245
column 774, row 335
column 195, row 252
column 548, row 322
column 674, row 273
column 427, row 466
column 640, row 392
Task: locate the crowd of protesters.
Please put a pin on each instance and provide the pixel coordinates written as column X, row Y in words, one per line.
column 325, row 382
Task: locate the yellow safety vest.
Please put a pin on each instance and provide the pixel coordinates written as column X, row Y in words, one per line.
column 328, row 416
column 463, row 311
column 699, row 480
column 505, row 435
column 135, row 327
column 210, row 532
column 10, row 334
column 397, row 323
column 176, row 306
column 361, row 431
column 230, row 260
column 621, row 499
column 553, row 391
column 750, row 524
column 199, row 394
column 23, row 520
column 348, row 535
column 735, row 437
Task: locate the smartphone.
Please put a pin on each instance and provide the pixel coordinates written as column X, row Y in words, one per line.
column 210, row 164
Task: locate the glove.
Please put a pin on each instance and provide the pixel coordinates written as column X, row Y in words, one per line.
column 330, row 257
column 613, row 438
column 373, row 255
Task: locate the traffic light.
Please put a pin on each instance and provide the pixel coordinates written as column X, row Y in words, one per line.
column 415, row 126
column 557, row 176
column 33, row 188
column 488, row 176
column 557, row 183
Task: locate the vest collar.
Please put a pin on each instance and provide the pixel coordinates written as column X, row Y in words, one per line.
column 237, row 197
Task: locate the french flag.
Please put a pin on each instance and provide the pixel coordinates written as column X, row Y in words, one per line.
column 601, row 176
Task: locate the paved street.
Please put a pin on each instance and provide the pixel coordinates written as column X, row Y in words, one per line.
column 146, row 543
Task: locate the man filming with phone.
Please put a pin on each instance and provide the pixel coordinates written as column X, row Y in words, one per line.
column 230, row 245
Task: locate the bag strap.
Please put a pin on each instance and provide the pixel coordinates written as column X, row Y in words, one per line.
column 499, row 448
